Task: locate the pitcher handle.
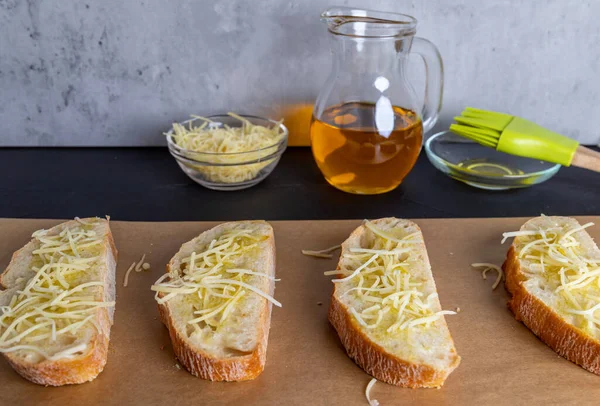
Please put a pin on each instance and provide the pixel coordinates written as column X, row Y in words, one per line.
column 434, row 84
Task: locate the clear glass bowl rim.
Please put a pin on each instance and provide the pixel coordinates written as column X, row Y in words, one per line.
column 447, row 164
column 172, row 145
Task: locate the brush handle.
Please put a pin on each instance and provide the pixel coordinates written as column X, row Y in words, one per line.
column 586, row 158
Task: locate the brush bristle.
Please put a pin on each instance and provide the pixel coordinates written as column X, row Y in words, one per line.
column 487, row 138
column 485, row 119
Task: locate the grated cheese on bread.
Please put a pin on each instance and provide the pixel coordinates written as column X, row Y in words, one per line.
column 385, row 306
column 58, row 303
column 553, row 275
column 216, row 300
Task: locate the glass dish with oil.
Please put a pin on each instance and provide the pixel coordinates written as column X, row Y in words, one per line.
column 482, row 167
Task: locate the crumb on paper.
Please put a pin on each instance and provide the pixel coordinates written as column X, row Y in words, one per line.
column 177, row 366
column 452, row 253
column 457, row 310
column 162, row 347
column 145, row 266
column 319, row 303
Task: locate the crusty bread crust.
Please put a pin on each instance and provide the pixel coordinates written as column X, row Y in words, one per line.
column 65, row 372
column 373, row 358
column 237, row 368
column 544, row 322
column 78, row 369
column 376, row 361
column 203, row 365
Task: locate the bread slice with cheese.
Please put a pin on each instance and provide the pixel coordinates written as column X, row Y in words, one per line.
column 57, row 306
column 385, row 306
column 216, row 300
column 553, row 274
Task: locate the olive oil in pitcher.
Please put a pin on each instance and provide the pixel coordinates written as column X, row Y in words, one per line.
column 363, row 149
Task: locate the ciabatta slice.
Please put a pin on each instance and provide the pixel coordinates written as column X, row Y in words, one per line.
column 230, row 344
column 36, row 337
column 559, row 309
column 405, row 344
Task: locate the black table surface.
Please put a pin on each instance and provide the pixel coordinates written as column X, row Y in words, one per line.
column 145, row 184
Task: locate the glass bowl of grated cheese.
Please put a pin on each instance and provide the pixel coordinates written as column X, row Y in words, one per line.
column 227, row 151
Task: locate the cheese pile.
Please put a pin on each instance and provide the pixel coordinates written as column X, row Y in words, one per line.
column 59, row 299
column 557, row 262
column 221, row 147
column 211, row 281
column 381, row 278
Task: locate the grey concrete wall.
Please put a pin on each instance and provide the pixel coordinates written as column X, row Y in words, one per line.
column 118, row 72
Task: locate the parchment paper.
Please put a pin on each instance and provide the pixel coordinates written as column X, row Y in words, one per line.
column 502, row 361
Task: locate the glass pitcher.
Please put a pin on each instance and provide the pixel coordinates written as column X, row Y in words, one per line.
column 367, row 127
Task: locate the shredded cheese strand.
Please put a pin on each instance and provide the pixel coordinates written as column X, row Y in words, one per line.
column 372, row 402
column 138, row 266
column 573, row 231
column 490, row 267
column 322, row 253
column 129, row 270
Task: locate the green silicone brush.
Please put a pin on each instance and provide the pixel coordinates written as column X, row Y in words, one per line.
column 517, row 136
